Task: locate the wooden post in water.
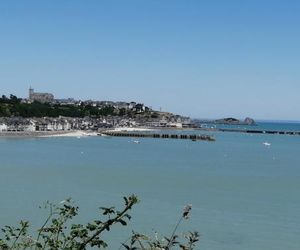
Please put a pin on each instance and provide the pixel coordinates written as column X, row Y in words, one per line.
column 161, row 136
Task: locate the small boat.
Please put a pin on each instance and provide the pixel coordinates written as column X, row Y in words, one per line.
column 136, row 142
column 267, row 144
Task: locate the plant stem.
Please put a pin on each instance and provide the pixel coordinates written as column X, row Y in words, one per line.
column 173, row 233
column 45, row 223
column 21, row 231
column 106, row 225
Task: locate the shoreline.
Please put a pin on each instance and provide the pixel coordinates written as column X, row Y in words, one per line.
column 45, row 134
column 77, row 133
column 129, row 129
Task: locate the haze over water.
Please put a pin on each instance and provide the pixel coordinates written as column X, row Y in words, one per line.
column 245, row 195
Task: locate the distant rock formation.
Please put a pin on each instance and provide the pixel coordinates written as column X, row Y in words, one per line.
column 249, row 121
column 234, row 121
column 229, row 120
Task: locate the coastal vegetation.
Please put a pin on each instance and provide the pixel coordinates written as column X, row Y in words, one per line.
column 13, row 106
column 58, row 232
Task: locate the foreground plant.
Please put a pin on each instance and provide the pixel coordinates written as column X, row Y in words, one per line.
column 58, row 233
column 143, row 242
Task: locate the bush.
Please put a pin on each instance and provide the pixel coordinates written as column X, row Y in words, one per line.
column 58, row 233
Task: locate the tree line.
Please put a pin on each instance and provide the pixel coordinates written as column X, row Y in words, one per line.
column 13, row 106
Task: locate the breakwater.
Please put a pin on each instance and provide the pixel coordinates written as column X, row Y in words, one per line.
column 161, row 136
column 252, row 131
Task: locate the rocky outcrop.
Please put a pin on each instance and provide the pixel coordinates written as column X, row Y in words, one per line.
column 249, row 121
column 234, row 121
column 229, row 120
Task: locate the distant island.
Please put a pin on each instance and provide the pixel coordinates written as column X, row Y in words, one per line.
column 234, row 121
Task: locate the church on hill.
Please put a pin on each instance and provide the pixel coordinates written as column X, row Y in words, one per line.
column 40, row 97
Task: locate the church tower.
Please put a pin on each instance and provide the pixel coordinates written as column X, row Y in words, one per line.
column 31, row 91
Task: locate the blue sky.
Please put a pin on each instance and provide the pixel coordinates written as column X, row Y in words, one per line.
column 205, row 59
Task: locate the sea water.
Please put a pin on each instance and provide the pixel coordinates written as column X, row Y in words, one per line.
column 244, row 194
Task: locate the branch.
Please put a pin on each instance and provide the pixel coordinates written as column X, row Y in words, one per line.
column 129, row 203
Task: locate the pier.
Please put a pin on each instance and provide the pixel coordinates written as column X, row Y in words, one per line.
column 161, row 136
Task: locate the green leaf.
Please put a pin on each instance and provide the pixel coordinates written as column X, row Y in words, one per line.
column 122, row 222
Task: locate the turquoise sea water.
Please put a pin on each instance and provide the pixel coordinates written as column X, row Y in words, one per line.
column 245, row 195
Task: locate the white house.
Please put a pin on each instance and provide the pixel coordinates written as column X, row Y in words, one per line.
column 3, row 127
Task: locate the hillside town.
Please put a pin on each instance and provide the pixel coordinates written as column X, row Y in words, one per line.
column 122, row 114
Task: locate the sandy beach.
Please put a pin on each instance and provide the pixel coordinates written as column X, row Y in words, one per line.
column 129, row 129
column 70, row 133
column 75, row 133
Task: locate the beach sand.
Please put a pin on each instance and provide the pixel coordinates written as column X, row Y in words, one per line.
column 129, row 129
column 73, row 133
